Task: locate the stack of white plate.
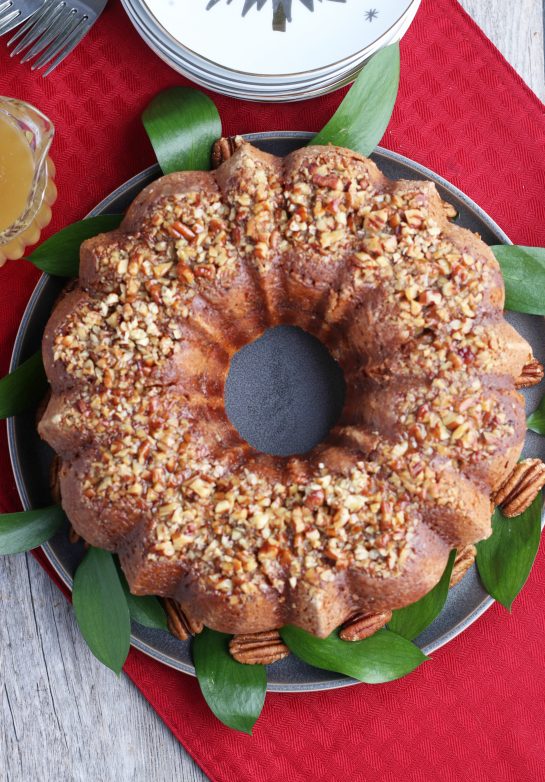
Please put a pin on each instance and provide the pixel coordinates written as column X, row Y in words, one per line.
column 270, row 50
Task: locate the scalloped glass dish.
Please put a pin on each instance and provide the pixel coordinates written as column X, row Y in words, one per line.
column 26, row 176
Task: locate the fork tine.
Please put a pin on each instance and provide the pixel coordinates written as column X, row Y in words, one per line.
column 33, row 19
column 8, row 21
column 13, row 24
column 56, row 30
column 57, row 43
column 69, row 45
column 15, row 19
column 38, row 28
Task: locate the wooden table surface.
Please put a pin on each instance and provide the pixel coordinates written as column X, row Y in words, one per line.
column 64, row 716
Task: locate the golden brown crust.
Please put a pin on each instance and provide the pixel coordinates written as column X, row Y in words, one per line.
column 169, row 185
column 137, row 356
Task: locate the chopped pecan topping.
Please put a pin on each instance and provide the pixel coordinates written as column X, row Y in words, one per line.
column 531, row 375
column 224, row 148
column 180, row 622
column 258, row 648
column 465, row 558
column 363, row 625
column 240, row 528
column 520, row 489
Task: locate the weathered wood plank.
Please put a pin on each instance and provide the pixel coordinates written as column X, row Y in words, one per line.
column 59, row 719
column 517, row 31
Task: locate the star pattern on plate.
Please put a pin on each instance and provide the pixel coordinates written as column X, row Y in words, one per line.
column 371, row 15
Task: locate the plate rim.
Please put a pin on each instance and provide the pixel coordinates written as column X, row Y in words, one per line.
column 153, row 40
column 348, row 60
column 51, row 556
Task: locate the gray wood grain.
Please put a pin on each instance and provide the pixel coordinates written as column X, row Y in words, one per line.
column 64, row 716
column 517, row 30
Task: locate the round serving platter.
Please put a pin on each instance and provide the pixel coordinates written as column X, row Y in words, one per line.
column 30, row 457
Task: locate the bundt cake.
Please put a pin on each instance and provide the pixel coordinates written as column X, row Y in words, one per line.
column 408, row 303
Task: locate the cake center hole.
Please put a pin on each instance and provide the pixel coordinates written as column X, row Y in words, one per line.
column 284, row 392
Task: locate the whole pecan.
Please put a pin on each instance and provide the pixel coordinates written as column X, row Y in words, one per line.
column 224, row 148
column 362, row 625
column 73, row 536
column 54, row 479
column 531, row 375
column 42, row 406
column 465, row 557
column 55, row 488
column 521, row 488
column 180, row 622
column 450, row 210
column 258, row 648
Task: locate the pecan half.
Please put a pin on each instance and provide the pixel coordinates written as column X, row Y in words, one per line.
column 55, row 488
column 180, row 622
column 54, row 479
column 520, row 489
column 224, row 148
column 42, row 406
column 450, row 210
column 362, row 625
column 531, row 375
column 465, row 557
column 258, row 648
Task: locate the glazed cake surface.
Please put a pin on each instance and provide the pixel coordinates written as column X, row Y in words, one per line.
column 408, row 303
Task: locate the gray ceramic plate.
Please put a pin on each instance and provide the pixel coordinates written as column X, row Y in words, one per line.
column 30, row 457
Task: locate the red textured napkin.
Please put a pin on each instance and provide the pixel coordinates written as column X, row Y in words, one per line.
column 475, row 712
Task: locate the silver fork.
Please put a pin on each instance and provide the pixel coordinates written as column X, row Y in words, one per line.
column 15, row 12
column 54, row 30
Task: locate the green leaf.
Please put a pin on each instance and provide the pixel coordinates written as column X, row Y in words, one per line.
column 182, row 124
column 411, row 620
column 59, row 255
column 363, row 116
column 24, row 388
column 146, row 610
column 505, row 559
column 235, row 692
column 25, row 530
column 383, row 657
column 536, row 421
column 101, row 609
column 523, row 270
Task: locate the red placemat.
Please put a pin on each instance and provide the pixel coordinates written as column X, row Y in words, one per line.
column 476, row 711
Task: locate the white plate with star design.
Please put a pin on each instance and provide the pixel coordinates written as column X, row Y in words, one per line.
column 270, row 50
